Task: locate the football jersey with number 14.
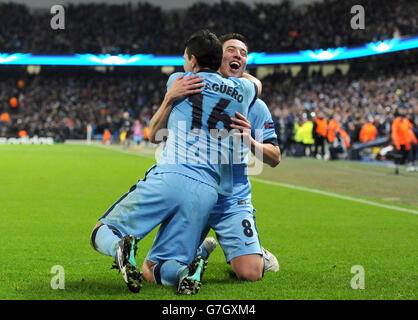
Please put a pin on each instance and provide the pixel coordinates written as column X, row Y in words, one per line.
column 200, row 143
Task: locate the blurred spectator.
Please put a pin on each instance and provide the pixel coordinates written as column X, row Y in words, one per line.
column 338, row 139
column 126, row 129
column 307, row 135
column 320, row 134
column 333, row 128
column 368, row 132
column 289, row 129
column 402, row 136
column 106, row 136
column 277, row 124
column 138, row 134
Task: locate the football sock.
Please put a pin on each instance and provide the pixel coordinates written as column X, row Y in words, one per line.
column 201, row 251
column 106, row 240
column 168, row 273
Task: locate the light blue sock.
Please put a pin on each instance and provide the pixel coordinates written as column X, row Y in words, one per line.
column 201, row 251
column 169, row 272
column 106, row 240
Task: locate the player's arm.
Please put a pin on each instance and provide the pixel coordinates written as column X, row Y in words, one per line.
column 255, row 81
column 270, row 153
column 179, row 89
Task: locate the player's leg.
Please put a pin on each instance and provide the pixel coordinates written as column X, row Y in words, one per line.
column 208, row 244
column 248, row 267
column 144, row 207
column 205, row 249
column 238, row 236
column 251, row 267
column 105, row 239
column 109, row 241
column 128, row 220
column 105, row 236
column 148, row 270
column 178, row 238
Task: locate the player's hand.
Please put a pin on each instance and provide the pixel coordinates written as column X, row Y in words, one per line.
column 183, row 86
column 243, row 125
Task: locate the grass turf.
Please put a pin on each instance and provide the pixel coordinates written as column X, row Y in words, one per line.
column 52, row 196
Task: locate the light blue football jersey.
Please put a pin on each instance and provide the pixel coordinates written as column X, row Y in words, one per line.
column 262, row 129
column 200, row 144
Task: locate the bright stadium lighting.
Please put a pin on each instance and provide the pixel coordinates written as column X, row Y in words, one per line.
column 254, row 58
column 383, row 46
column 6, row 58
column 321, row 54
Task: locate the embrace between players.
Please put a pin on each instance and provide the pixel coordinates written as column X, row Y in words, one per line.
column 190, row 197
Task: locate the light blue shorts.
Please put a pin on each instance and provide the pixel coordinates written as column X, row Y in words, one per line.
column 235, row 228
column 182, row 203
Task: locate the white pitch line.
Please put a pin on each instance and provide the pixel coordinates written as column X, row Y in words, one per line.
column 291, row 186
column 334, row 195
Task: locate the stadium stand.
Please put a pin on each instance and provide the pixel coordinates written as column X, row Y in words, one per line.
column 62, row 102
column 149, row 29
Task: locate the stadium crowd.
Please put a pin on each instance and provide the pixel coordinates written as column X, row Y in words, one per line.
column 145, row 28
column 63, row 104
column 355, row 99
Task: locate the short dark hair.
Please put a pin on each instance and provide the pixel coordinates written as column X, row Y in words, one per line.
column 233, row 36
column 206, row 47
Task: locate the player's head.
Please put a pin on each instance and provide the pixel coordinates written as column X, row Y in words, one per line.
column 202, row 50
column 235, row 51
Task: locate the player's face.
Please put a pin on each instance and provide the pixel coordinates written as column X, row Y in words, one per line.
column 234, row 60
column 188, row 67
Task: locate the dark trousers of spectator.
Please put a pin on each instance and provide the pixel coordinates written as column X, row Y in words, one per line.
column 299, row 149
column 287, row 147
column 334, row 151
column 401, row 155
column 412, row 157
column 319, row 142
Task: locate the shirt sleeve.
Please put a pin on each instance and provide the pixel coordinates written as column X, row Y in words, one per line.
column 262, row 125
column 172, row 78
column 250, row 90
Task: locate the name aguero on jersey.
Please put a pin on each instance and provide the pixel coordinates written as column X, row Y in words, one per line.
column 223, row 88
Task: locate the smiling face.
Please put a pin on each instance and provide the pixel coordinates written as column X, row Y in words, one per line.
column 234, row 60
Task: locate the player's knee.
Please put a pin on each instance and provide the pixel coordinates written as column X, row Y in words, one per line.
column 249, row 274
column 249, row 268
column 147, row 270
column 93, row 234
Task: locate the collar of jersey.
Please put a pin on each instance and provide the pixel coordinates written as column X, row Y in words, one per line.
column 208, row 71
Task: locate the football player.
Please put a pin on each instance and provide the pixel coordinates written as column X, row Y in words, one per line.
column 232, row 218
column 183, row 187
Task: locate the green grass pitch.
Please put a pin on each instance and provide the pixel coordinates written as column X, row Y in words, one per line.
column 52, row 196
